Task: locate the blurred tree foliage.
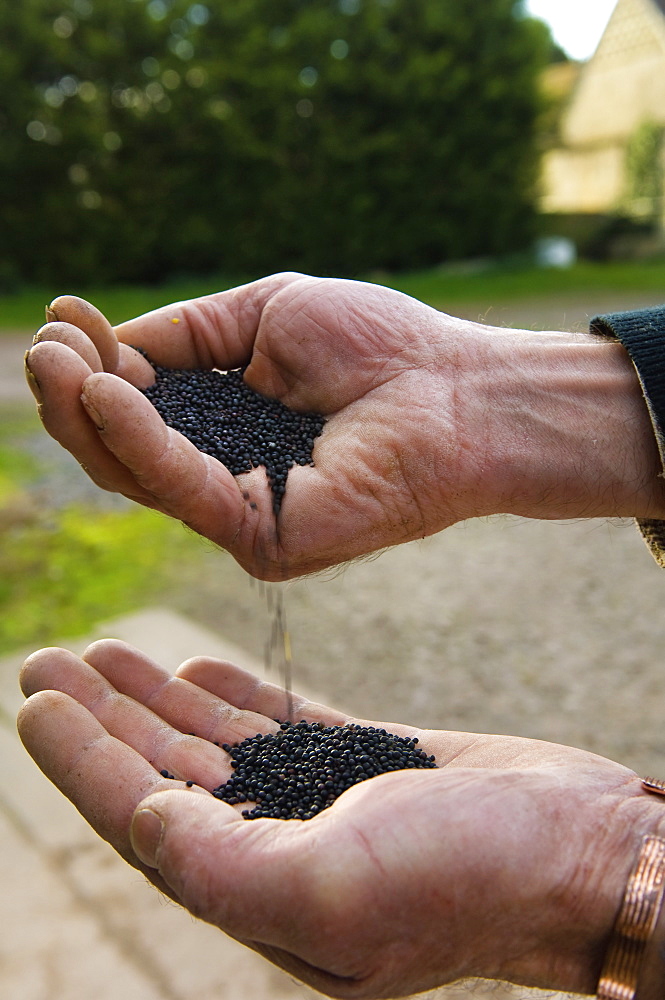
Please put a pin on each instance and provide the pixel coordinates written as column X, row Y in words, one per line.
column 644, row 172
column 142, row 139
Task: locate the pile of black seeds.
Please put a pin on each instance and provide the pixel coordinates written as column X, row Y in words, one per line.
column 300, row 770
column 224, row 418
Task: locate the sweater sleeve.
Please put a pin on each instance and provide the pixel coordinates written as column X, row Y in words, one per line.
column 642, row 333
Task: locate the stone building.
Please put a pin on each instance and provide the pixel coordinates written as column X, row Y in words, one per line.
column 609, row 154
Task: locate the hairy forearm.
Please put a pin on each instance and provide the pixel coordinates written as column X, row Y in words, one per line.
column 558, row 428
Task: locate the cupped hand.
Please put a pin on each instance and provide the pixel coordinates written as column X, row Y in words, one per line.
column 393, row 462
column 508, row 861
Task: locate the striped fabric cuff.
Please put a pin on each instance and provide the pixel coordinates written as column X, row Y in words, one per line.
column 642, row 333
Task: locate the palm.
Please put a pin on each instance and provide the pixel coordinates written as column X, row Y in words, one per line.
column 441, row 846
column 358, row 354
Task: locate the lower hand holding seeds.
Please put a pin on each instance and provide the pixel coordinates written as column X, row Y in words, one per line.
column 419, row 419
column 507, row 860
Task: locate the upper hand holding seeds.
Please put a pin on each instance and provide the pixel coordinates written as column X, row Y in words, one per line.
column 428, row 419
column 353, row 353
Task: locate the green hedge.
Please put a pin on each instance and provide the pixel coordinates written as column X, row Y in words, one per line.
column 151, row 138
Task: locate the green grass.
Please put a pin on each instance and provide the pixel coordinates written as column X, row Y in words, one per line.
column 17, row 467
column 443, row 287
column 62, row 571
column 501, row 283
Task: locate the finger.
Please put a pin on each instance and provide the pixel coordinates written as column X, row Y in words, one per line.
column 103, row 777
column 251, row 694
column 134, row 368
column 179, row 702
column 240, row 687
column 78, row 312
column 213, row 330
column 187, row 484
column 160, row 744
column 131, row 366
column 72, row 337
column 60, row 373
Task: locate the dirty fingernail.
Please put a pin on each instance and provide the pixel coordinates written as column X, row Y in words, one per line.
column 31, row 379
column 92, row 413
column 146, row 836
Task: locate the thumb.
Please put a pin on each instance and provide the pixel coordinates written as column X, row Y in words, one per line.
column 232, row 873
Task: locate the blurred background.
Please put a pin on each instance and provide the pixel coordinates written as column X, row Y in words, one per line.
column 503, row 162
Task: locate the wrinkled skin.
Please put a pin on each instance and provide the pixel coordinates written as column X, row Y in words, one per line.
column 430, row 419
column 508, row 861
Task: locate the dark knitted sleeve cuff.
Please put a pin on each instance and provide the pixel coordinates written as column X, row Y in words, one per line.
column 642, row 333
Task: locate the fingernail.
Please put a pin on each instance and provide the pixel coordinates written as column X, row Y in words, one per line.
column 146, row 836
column 32, row 381
column 50, row 315
column 92, row 412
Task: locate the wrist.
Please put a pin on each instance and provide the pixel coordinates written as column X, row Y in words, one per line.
column 582, row 910
column 565, row 428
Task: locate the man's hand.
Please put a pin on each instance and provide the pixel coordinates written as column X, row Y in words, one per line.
column 430, row 419
column 508, row 861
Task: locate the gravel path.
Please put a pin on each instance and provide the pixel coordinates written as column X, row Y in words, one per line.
column 12, row 383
